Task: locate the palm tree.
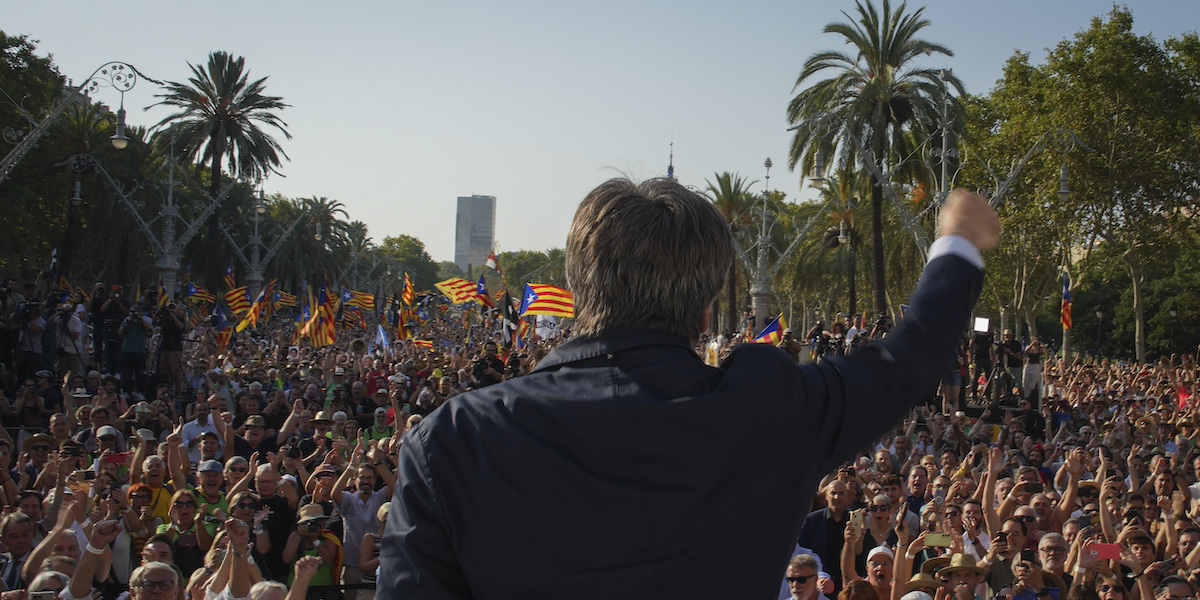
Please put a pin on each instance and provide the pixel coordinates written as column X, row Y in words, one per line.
column 732, row 199
column 878, row 97
column 222, row 119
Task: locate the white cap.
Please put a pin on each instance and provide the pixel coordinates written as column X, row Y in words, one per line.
column 877, row 550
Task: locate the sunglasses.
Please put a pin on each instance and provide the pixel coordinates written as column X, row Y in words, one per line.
column 247, row 506
column 878, row 508
column 184, row 505
column 141, row 497
column 165, row 585
column 1027, row 519
column 801, row 580
column 1104, row 589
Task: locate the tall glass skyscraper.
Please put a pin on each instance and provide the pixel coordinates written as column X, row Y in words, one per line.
column 474, row 230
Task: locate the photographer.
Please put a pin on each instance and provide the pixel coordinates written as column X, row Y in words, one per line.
column 10, row 327
column 70, row 340
column 488, row 369
column 1012, row 355
column 32, row 325
column 134, row 331
column 112, row 311
column 883, row 326
column 311, row 538
column 174, row 323
column 791, row 345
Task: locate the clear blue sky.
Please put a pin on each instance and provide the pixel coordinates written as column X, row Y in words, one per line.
column 400, row 107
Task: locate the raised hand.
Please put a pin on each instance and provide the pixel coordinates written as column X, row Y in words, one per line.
column 995, row 460
column 104, row 532
column 238, row 532
column 306, row 567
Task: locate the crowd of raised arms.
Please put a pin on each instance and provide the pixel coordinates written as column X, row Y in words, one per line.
column 146, row 462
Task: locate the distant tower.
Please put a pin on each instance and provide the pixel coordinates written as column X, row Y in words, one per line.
column 671, row 163
column 474, row 230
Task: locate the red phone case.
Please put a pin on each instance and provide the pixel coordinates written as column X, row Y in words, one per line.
column 1104, row 551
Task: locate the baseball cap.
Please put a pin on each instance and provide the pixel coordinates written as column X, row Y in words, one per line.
column 339, row 371
column 211, row 466
column 325, row 469
column 381, row 411
column 255, row 421
column 878, row 551
column 106, row 431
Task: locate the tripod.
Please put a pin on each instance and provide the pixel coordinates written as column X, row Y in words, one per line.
column 998, row 378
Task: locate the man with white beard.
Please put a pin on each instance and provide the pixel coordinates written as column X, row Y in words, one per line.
column 801, row 578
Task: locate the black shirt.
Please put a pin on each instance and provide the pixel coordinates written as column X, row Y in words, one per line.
column 172, row 336
column 280, row 523
column 479, row 370
column 1011, row 361
column 243, row 448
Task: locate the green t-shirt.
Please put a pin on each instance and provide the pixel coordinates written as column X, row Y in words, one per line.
column 213, row 507
column 372, row 435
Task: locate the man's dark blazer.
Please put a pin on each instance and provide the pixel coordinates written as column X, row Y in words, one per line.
column 624, row 467
column 814, row 535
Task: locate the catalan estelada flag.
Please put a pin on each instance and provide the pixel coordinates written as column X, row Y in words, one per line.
column 772, row 333
column 283, row 299
column 321, row 329
column 540, row 299
column 426, row 344
column 356, row 299
column 238, row 299
column 458, row 290
column 1064, row 315
column 409, row 295
column 258, row 308
column 229, row 281
column 224, row 329
column 199, row 294
column 163, row 299
column 481, row 293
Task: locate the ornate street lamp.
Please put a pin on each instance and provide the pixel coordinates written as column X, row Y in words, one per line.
column 120, row 76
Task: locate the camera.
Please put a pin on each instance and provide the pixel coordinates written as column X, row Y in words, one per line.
column 314, row 526
column 26, row 311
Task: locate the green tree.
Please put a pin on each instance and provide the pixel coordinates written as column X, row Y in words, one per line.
column 223, row 118
column 30, row 85
column 1136, row 102
column 878, row 97
column 731, row 196
column 410, row 253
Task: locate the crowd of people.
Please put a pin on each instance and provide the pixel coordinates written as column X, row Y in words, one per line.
column 155, row 463
column 1076, row 480
column 158, row 462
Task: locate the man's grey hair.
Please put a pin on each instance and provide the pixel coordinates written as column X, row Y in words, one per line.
column 261, row 588
column 650, row 256
column 139, row 573
column 800, row 561
column 1053, row 536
